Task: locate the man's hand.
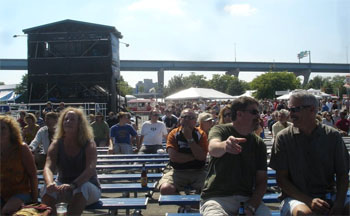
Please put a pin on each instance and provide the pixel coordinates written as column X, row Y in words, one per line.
column 319, row 206
column 52, row 187
column 187, row 131
column 232, row 145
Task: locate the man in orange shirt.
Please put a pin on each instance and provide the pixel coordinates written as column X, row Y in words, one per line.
column 187, row 147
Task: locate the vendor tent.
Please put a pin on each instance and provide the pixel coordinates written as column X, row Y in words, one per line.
column 287, row 96
column 199, row 93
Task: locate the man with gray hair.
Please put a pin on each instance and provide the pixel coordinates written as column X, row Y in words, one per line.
column 311, row 163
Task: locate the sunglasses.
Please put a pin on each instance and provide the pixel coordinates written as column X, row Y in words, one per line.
column 298, row 108
column 253, row 111
column 188, row 117
column 155, row 114
column 227, row 115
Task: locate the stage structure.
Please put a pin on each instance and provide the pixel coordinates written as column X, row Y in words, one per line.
column 73, row 61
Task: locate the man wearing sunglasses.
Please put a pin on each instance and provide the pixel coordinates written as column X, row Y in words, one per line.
column 152, row 134
column 187, row 147
column 238, row 164
column 311, row 163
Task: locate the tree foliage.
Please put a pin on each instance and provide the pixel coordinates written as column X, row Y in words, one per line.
column 266, row 84
column 228, row 84
column 124, row 88
column 330, row 85
column 2, row 83
column 179, row 82
column 23, row 86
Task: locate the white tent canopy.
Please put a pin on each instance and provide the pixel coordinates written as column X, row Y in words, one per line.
column 287, row 96
column 199, row 93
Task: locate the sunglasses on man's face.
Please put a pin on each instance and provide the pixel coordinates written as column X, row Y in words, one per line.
column 298, row 108
column 188, row 117
column 155, row 114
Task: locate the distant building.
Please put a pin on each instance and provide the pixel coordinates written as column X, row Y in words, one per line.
column 145, row 86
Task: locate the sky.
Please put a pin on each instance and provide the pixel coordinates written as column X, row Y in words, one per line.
column 193, row 30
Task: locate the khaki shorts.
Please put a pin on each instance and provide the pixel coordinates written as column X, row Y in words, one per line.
column 228, row 205
column 184, row 178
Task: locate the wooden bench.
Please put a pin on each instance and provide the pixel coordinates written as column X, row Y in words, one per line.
column 273, row 213
column 113, row 204
column 129, row 166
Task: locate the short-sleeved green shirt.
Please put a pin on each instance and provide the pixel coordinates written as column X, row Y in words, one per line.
column 311, row 161
column 234, row 174
column 101, row 129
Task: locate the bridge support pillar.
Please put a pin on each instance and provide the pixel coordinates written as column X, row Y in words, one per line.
column 305, row 74
column 160, row 80
column 234, row 72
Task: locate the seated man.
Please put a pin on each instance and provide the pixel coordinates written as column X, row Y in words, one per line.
column 311, row 163
column 187, row 147
column 238, row 165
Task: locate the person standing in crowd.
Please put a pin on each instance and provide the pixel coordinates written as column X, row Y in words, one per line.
column 112, row 119
column 101, row 131
column 40, row 145
column 60, row 107
column 187, row 147
column 39, row 120
column 152, row 134
column 121, row 135
column 170, row 120
column 343, row 124
column 225, row 115
column 335, row 115
column 311, row 161
column 205, row 121
column 324, row 106
column 19, row 183
column 48, row 108
column 73, row 154
column 272, row 121
column 91, row 118
column 30, row 130
column 20, row 120
column 327, row 119
column 282, row 122
column 238, row 164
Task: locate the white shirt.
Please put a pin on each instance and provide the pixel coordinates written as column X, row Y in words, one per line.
column 41, row 140
column 153, row 132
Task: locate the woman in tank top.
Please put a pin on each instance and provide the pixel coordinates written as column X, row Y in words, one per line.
column 73, row 155
column 18, row 181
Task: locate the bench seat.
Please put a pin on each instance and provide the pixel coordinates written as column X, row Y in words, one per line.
column 119, row 156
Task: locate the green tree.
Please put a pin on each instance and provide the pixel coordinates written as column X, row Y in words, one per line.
column 228, row 84
column 124, row 88
column 266, row 84
column 2, row 83
column 315, row 83
column 197, row 81
column 23, row 86
column 175, row 84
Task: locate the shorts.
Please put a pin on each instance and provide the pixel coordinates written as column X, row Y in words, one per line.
column 90, row 192
column 288, row 204
column 26, row 199
column 228, row 205
column 182, row 179
column 123, row 148
column 150, row 149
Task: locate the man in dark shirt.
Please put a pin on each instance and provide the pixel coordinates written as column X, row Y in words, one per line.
column 238, row 165
column 187, row 147
column 343, row 124
column 311, row 163
column 169, row 120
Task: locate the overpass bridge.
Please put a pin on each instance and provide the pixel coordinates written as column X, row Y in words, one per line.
column 231, row 68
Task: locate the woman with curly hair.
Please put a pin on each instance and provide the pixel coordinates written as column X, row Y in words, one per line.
column 225, row 115
column 30, row 130
column 18, row 181
column 73, row 154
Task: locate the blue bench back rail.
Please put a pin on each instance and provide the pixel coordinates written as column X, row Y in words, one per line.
column 121, row 176
column 119, row 203
column 273, row 213
column 119, row 156
column 132, row 160
column 130, row 166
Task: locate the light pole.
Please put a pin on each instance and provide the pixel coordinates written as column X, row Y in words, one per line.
column 126, row 44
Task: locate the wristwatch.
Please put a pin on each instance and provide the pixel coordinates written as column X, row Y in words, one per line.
column 251, row 208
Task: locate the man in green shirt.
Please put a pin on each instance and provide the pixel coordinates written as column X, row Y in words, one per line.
column 238, row 164
column 101, row 131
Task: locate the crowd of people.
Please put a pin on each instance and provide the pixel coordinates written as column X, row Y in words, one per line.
column 215, row 148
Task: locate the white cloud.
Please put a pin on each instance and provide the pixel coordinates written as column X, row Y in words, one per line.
column 240, row 9
column 171, row 7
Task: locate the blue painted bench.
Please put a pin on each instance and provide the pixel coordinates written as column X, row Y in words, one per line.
column 129, row 166
column 132, row 160
column 274, row 213
column 119, row 156
column 120, row 176
column 124, row 187
column 113, row 204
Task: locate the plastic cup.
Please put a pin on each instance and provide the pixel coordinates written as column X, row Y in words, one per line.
column 61, row 209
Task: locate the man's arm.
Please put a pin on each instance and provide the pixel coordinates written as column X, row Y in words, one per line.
column 139, row 143
column 218, row 148
column 260, row 189
column 178, row 157
column 342, row 182
column 37, row 140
